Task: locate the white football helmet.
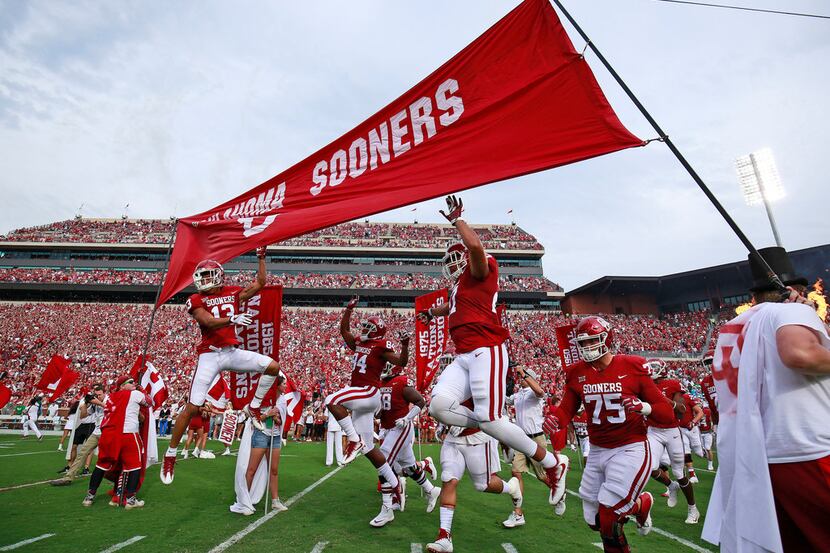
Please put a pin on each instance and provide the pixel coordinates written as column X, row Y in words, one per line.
column 454, row 261
column 208, row 274
column 388, row 371
column 657, row 369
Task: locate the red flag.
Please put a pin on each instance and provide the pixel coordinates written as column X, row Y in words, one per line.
column 138, row 366
column 565, row 339
column 262, row 336
column 151, row 382
column 431, row 339
column 68, row 378
column 5, row 395
column 220, row 393
column 52, row 375
column 294, row 402
column 517, row 100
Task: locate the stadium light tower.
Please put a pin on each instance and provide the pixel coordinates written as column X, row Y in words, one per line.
column 760, row 183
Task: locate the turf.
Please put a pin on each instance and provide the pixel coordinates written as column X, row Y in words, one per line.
column 192, row 514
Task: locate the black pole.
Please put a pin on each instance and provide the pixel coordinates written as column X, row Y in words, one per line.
column 158, row 293
column 773, row 278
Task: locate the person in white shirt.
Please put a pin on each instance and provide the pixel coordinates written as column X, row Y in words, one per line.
column 772, row 374
column 334, row 442
column 30, row 415
column 94, row 404
column 53, row 415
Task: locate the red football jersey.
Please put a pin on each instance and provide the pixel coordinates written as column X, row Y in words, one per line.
column 393, row 404
column 368, row 362
column 707, row 385
column 602, row 392
column 580, row 423
column 669, row 387
column 686, row 419
column 225, row 303
column 473, row 321
column 706, row 422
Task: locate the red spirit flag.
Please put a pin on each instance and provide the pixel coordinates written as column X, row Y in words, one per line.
column 52, row 374
column 430, row 339
column 262, row 336
column 517, row 100
column 565, row 339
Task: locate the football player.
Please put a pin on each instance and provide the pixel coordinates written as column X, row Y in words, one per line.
column 707, row 437
column 397, row 434
column 580, row 426
column 474, row 451
column 707, row 386
column 665, row 440
column 617, row 393
column 362, row 397
column 479, row 369
column 216, row 308
column 692, row 414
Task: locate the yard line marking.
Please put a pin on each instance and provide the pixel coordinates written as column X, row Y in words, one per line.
column 669, row 535
column 30, row 453
column 256, row 524
column 25, row 542
column 509, row 548
column 123, row 544
column 30, row 484
column 319, row 547
column 416, row 548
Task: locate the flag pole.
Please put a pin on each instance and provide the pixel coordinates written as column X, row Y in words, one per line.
column 771, row 275
column 158, row 293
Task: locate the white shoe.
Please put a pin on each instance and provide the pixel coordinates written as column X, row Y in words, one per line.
column 710, row 466
column 134, row 503
column 559, row 508
column 432, row 498
column 353, row 449
column 185, row 454
column 204, row 454
column 429, row 466
column 278, row 505
column 514, row 520
column 385, row 516
column 236, row 508
column 88, row 500
column 443, row 544
column 693, row 516
column 693, row 479
column 515, row 491
column 671, row 502
column 558, row 493
column 60, row 448
column 197, row 453
column 226, row 452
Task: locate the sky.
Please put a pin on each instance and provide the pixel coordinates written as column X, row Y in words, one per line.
column 176, row 107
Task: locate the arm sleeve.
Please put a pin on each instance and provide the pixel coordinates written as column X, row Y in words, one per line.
column 661, row 409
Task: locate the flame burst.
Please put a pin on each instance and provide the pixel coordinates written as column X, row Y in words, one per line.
column 819, row 298
column 743, row 307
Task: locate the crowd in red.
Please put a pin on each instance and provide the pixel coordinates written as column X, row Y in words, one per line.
column 388, row 235
column 397, row 281
column 102, row 340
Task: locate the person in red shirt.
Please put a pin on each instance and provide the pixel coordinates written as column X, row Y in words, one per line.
column 690, row 433
column 401, row 404
column 707, row 385
column 617, row 393
column 479, row 369
column 707, row 437
column 362, row 397
column 216, row 308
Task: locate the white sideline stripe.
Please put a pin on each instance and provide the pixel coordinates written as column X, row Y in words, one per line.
column 30, row 453
column 123, row 544
column 416, row 548
column 319, row 547
column 25, row 542
column 509, row 548
column 669, row 535
column 256, row 524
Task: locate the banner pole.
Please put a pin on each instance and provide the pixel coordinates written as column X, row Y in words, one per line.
column 771, row 275
column 158, row 293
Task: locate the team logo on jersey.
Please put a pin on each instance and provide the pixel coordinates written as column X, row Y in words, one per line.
column 581, row 379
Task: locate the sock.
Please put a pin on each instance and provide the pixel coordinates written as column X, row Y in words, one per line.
column 262, row 387
column 446, row 518
column 421, row 479
column 386, row 496
column 172, row 452
column 504, row 488
column 348, row 427
column 132, row 482
column 388, row 475
column 95, row 480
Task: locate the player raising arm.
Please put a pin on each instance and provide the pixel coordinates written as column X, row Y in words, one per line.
column 617, row 392
column 216, row 308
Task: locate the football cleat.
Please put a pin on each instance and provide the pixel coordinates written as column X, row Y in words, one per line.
column 88, row 500
column 560, row 470
column 167, row 468
column 133, row 503
column 672, row 491
column 442, row 544
column 514, row 520
column 643, row 517
column 429, row 468
column 353, row 449
column 385, row 516
column 559, row 508
column 256, row 417
column 432, row 498
column 515, row 491
column 693, row 516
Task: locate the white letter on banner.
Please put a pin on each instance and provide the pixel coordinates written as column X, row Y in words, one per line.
column 378, row 146
column 319, row 178
column 452, row 103
column 357, row 158
column 250, row 230
column 339, row 168
column 398, row 132
column 420, row 113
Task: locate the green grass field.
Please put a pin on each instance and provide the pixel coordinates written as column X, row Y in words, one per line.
column 192, row 514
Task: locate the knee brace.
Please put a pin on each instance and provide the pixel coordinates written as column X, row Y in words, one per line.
column 611, row 531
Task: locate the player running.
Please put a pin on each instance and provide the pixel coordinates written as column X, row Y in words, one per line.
column 707, row 437
column 479, row 369
column 362, row 397
column 617, row 393
column 397, row 434
column 474, row 451
column 216, row 308
column 692, row 414
column 665, row 440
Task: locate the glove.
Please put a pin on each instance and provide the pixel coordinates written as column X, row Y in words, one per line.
column 402, row 335
column 551, row 425
column 425, row 316
column 260, row 252
column 401, row 422
column 352, row 302
column 242, row 319
column 454, row 209
column 634, row 405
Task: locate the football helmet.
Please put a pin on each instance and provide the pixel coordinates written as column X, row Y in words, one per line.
column 657, row 368
column 594, row 337
column 454, row 261
column 372, row 329
column 708, row 358
column 208, row 274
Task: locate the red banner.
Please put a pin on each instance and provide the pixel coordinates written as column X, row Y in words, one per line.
column 517, row 100
column 567, row 345
column 430, row 339
column 5, row 395
column 52, row 375
column 262, row 336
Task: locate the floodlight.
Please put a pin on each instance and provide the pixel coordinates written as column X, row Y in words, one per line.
column 760, row 184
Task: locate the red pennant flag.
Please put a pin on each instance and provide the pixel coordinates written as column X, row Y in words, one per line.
column 5, row 395
column 430, row 339
column 66, row 381
column 52, row 375
column 517, row 100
